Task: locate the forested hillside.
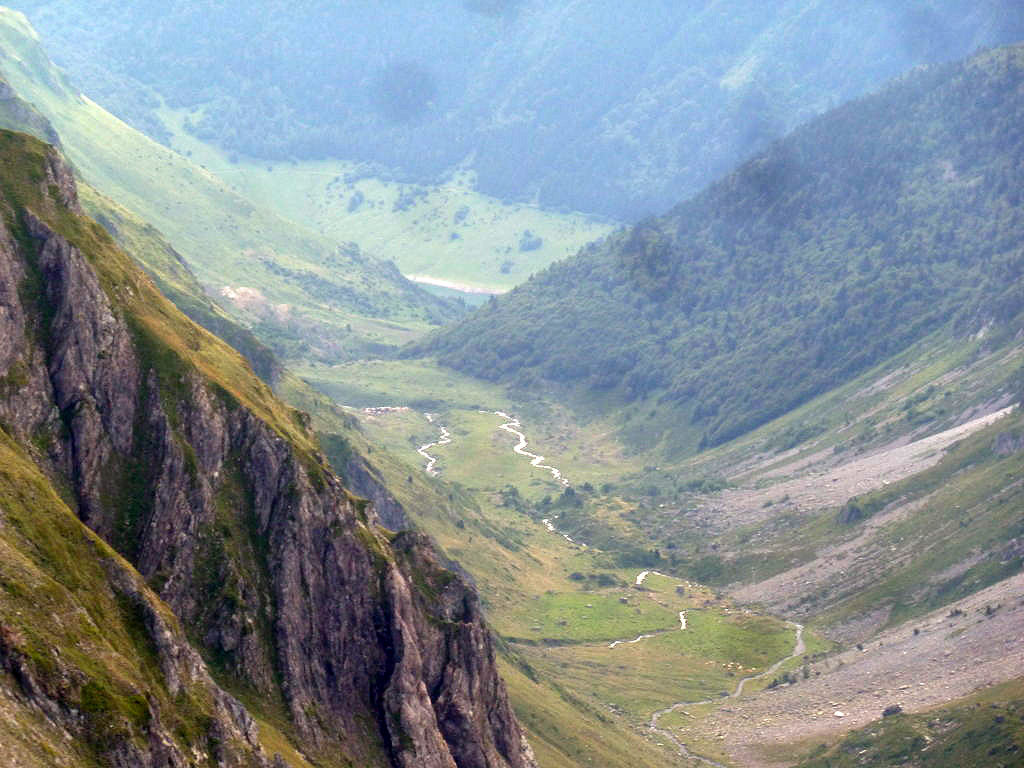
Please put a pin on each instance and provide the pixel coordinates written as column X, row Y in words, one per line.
column 863, row 231
column 589, row 105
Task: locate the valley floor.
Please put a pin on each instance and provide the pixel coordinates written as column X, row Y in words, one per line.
column 707, row 675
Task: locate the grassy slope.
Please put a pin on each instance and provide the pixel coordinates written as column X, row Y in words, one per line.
column 582, row 702
column 512, row 560
column 82, row 642
column 588, row 743
column 984, row 729
column 533, row 698
column 973, row 504
column 972, row 501
column 155, row 317
column 858, row 235
column 172, row 275
column 225, row 239
column 551, row 714
column 169, row 341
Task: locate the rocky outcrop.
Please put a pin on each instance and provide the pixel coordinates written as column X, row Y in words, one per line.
column 378, row 653
column 364, row 480
column 1008, row 443
column 136, row 734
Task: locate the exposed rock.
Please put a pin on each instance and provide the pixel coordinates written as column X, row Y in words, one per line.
column 364, row 481
column 252, row 542
column 147, row 744
column 1007, row 444
column 851, row 513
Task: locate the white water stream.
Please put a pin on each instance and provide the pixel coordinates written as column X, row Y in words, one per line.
column 444, row 439
column 513, row 426
column 640, row 579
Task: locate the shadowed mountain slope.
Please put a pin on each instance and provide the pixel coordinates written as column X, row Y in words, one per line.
column 592, row 105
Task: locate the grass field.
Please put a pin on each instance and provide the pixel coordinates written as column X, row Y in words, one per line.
column 480, row 455
column 584, row 617
column 719, row 646
column 448, row 232
column 374, row 383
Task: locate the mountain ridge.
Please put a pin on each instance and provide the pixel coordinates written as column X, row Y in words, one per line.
column 170, row 448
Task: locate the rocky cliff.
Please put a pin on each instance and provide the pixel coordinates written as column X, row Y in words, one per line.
column 169, row 448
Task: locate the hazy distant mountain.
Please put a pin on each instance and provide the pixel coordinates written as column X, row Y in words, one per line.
column 600, row 105
column 862, row 232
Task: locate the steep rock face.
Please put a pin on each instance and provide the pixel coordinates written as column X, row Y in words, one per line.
column 379, row 656
column 231, row 732
column 364, row 480
column 94, row 669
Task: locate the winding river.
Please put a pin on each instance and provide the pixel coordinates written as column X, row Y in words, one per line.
column 444, row 439
column 513, row 426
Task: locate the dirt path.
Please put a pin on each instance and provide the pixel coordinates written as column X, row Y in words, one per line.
column 444, row 439
column 799, row 647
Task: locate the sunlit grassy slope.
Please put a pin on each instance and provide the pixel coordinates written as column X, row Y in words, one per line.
column 56, row 593
column 513, row 559
column 450, row 233
column 561, row 626
column 565, row 730
column 76, row 632
column 155, row 320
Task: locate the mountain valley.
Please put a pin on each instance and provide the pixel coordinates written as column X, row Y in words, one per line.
column 739, row 485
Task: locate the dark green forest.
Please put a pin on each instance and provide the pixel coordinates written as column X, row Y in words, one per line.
column 869, row 228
